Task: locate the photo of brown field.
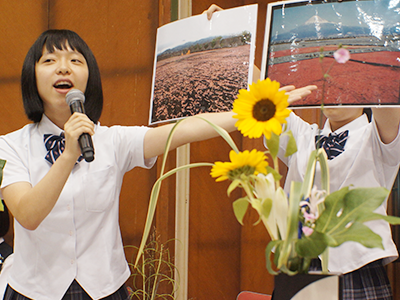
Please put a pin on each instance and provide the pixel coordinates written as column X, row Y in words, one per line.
column 193, row 83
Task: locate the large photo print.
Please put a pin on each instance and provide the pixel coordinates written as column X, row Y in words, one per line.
column 200, row 65
column 301, row 37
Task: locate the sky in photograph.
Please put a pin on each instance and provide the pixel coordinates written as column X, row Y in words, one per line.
column 367, row 13
column 227, row 22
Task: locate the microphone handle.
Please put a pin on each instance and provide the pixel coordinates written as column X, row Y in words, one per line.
column 85, row 140
column 86, row 144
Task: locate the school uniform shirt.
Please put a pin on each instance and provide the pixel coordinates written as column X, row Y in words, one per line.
column 365, row 162
column 80, row 238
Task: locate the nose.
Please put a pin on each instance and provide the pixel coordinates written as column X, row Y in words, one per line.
column 63, row 68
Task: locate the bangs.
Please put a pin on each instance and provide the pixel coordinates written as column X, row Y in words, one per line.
column 61, row 40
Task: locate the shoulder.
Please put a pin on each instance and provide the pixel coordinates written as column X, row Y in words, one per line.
column 119, row 135
column 18, row 139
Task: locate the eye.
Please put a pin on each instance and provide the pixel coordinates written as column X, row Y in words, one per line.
column 46, row 59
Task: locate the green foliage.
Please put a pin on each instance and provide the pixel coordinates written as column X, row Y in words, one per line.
column 2, row 164
column 153, row 276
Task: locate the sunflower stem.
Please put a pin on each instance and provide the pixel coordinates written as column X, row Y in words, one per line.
column 276, row 167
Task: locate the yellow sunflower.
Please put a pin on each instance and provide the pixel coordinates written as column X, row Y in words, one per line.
column 247, row 163
column 261, row 110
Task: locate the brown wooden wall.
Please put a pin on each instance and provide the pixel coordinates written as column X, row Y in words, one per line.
column 224, row 257
column 122, row 36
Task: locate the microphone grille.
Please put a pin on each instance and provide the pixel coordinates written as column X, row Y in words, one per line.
column 74, row 95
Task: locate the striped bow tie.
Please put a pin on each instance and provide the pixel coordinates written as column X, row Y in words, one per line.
column 55, row 145
column 333, row 144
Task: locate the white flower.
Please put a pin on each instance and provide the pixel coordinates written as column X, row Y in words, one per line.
column 276, row 220
column 317, row 197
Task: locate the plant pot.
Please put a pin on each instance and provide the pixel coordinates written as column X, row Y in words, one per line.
column 312, row 286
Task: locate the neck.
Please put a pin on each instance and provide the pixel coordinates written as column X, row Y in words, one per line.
column 58, row 119
column 337, row 125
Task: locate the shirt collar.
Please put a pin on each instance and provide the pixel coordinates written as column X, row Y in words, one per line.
column 354, row 125
column 46, row 126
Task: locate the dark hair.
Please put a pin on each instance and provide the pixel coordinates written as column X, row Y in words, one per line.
column 368, row 112
column 60, row 39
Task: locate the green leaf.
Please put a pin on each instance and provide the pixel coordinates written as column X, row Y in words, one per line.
column 291, row 147
column 334, row 202
column 390, row 219
column 293, row 223
column 222, row 132
column 359, row 233
column 323, row 162
column 346, row 210
column 157, row 185
column 240, row 207
column 309, row 175
column 269, row 251
column 233, row 186
column 274, row 173
column 155, row 191
column 313, row 245
column 2, row 164
column 360, row 201
column 266, row 207
column 273, row 145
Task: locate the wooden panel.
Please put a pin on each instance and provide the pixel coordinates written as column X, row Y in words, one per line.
column 21, row 23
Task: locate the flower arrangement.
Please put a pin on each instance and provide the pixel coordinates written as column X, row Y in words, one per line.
column 305, row 223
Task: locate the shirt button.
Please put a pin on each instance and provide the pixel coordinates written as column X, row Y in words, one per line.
column 72, row 261
column 68, row 207
column 70, row 233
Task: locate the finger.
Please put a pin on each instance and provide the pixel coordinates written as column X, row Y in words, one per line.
column 287, row 88
column 298, row 94
column 213, row 8
column 79, row 122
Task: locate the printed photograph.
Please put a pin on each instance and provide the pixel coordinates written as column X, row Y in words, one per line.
column 302, row 37
column 201, row 65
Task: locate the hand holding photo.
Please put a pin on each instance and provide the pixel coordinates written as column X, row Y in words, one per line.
column 200, row 64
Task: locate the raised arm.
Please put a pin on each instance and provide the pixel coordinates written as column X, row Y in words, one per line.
column 387, row 120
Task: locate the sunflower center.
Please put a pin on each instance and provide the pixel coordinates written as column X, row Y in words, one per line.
column 245, row 170
column 264, row 110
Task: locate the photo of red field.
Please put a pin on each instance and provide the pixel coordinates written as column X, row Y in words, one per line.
column 371, row 76
column 193, row 83
column 303, row 37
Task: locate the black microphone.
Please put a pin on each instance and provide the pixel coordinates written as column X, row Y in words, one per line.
column 75, row 99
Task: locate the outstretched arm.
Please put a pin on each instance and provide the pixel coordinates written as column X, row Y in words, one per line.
column 193, row 129
column 387, row 120
column 190, row 130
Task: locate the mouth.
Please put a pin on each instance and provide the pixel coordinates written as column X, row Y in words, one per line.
column 63, row 84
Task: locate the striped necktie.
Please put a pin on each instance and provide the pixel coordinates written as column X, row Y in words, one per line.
column 55, row 145
column 333, row 144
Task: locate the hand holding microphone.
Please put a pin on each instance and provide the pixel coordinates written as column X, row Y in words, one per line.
column 75, row 99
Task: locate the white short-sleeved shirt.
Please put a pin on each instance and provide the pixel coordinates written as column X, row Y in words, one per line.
column 366, row 162
column 80, row 238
